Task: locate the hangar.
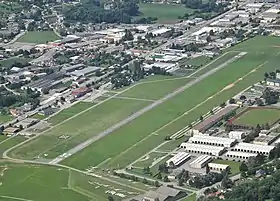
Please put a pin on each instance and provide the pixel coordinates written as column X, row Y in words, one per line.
column 202, row 149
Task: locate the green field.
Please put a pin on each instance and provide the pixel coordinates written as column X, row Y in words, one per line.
column 44, row 183
column 5, row 118
column 258, row 116
column 234, row 166
column 69, row 112
column 11, row 61
column 76, row 130
column 154, row 90
column 38, row 37
column 149, row 159
column 198, row 61
column 9, row 143
column 192, row 197
column 149, row 130
column 166, row 13
column 38, row 116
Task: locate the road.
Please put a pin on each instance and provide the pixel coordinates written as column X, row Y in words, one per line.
column 142, row 111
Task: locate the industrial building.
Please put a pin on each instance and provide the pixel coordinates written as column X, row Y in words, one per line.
column 265, row 139
column 238, row 135
column 77, row 93
column 200, row 161
column 215, row 167
column 178, row 159
column 253, row 148
column 240, row 156
column 212, row 140
column 202, row 149
column 26, row 123
column 84, row 71
column 212, row 120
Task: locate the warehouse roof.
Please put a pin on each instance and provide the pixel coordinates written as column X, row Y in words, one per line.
column 201, row 159
column 178, row 158
column 85, row 71
column 214, row 118
column 201, row 148
column 227, row 142
column 253, row 147
column 218, row 166
column 240, row 154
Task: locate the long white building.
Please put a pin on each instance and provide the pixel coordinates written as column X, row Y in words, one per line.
column 178, row 159
column 212, row 140
column 215, row 167
column 240, row 156
column 200, row 161
column 202, row 149
column 253, row 148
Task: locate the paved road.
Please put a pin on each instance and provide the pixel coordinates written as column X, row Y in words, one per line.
column 142, row 111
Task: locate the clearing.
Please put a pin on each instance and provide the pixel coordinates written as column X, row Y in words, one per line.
column 165, row 13
column 255, row 116
column 38, row 37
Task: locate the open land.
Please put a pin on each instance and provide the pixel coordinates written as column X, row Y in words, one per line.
column 9, row 143
column 148, row 160
column 164, row 12
column 234, row 166
column 69, row 112
column 77, row 130
column 32, row 184
column 258, row 116
column 74, row 131
column 142, row 134
column 38, row 37
column 5, row 118
column 9, row 62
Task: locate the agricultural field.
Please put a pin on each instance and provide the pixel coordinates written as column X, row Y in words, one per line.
column 166, row 13
column 234, row 166
column 77, row 129
column 32, row 183
column 69, row 112
column 252, row 117
column 150, row 129
column 38, row 37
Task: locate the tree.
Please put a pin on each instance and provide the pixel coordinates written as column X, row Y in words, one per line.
column 157, row 184
column 20, row 127
column 207, row 169
column 159, row 176
column 211, row 32
column 232, row 101
column 180, row 182
column 110, row 198
column 208, row 39
column 243, row 167
column 201, row 118
column 165, row 179
column 163, row 168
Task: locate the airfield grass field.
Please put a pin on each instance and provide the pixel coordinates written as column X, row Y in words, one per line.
column 258, row 116
column 149, row 159
column 197, row 61
column 5, row 118
column 74, row 131
column 69, row 112
column 165, row 13
column 38, row 37
column 9, row 142
column 44, row 183
column 148, row 131
column 154, row 90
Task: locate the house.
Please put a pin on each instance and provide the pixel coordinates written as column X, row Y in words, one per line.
column 77, row 93
column 10, row 131
column 163, row 193
column 272, row 82
column 15, row 112
column 46, row 111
